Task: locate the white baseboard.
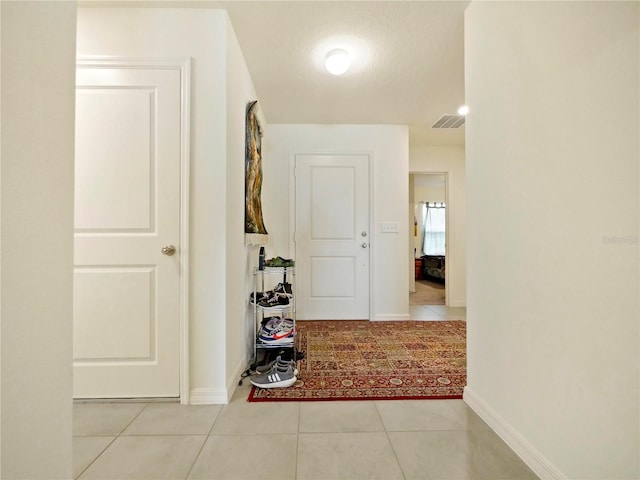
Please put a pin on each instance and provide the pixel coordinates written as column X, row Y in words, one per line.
column 232, row 383
column 218, row 396
column 537, row 462
column 208, row 396
column 391, row 316
column 457, row 304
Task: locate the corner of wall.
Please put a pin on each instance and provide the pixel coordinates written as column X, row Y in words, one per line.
column 38, row 97
column 527, row 452
column 239, row 256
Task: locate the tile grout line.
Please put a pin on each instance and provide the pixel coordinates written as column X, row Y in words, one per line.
column 197, row 457
column 206, row 439
column 395, row 454
column 295, row 463
column 215, row 420
column 111, row 442
column 386, row 432
column 96, row 457
column 133, row 420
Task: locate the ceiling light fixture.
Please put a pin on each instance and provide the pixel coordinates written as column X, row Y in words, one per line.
column 337, row 62
column 463, row 110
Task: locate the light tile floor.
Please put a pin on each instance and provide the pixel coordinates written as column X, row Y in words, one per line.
column 437, row 312
column 394, row 439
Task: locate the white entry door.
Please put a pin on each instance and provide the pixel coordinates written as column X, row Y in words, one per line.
column 126, row 340
column 332, row 237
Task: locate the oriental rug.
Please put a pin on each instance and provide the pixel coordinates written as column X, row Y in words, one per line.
column 362, row 360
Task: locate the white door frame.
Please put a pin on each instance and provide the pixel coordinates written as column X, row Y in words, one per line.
column 373, row 234
column 446, row 227
column 182, row 65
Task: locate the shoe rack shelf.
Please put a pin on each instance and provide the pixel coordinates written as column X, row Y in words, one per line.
column 268, row 280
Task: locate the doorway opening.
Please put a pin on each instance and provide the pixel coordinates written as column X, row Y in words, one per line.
column 428, row 205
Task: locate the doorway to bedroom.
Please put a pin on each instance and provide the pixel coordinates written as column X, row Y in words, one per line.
column 428, row 205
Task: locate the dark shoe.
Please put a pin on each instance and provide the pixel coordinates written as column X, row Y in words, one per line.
column 276, row 302
column 284, row 288
column 258, row 296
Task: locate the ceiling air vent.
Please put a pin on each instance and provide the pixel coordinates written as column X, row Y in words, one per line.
column 449, row 121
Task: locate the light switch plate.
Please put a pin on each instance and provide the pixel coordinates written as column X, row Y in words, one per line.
column 389, row 227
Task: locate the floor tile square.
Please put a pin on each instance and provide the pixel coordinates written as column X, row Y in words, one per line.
column 417, row 415
column 469, row 418
column 255, row 457
column 103, row 418
column 448, row 313
column 242, row 417
column 435, row 455
column 348, row 416
column 499, row 460
column 352, row 456
column 168, row 457
column 456, row 455
column 421, row 312
column 86, row 450
column 174, row 419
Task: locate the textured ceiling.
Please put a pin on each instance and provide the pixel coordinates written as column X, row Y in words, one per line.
column 408, row 60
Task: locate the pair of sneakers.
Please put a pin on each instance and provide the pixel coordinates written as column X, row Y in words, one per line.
column 276, row 302
column 275, row 299
column 278, row 373
column 276, row 331
column 283, row 288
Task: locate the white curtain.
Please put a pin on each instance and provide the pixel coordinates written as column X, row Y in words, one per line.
column 434, row 229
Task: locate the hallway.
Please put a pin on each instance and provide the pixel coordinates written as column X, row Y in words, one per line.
column 289, row 440
column 323, row 440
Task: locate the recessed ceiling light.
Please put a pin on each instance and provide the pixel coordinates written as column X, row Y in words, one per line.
column 463, row 110
column 337, row 62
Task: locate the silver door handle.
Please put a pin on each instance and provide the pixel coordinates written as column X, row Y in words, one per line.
column 168, row 250
column 365, row 245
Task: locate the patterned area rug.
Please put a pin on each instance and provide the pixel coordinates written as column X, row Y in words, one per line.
column 362, row 360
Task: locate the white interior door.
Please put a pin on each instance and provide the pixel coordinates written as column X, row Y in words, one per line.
column 126, row 339
column 332, row 237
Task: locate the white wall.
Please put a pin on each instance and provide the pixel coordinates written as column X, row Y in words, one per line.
column 220, row 88
column 449, row 160
column 240, row 259
column 552, row 142
column 429, row 193
column 0, row 247
column 388, row 146
column 412, row 239
column 38, row 97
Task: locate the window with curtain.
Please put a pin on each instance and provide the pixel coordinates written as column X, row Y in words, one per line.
column 434, row 228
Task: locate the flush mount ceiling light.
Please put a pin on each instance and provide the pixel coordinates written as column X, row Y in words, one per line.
column 337, row 62
column 463, row 110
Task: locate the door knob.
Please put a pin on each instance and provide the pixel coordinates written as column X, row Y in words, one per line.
column 365, row 245
column 168, row 250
